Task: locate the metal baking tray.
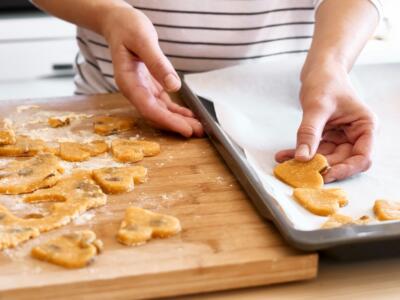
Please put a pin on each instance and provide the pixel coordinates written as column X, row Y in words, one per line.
column 347, row 242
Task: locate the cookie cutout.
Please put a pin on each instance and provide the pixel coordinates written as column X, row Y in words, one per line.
column 7, row 135
column 140, row 225
column 386, row 210
column 321, row 202
column 107, row 125
column 302, row 174
column 24, row 146
column 124, row 150
column 75, row 152
column 73, row 250
column 73, row 195
column 115, row 180
column 12, row 231
column 337, row 220
column 19, row 177
column 56, row 122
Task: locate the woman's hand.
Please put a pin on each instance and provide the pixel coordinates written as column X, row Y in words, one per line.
column 143, row 73
column 335, row 123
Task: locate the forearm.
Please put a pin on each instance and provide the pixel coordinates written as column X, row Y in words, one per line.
column 90, row 14
column 342, row 28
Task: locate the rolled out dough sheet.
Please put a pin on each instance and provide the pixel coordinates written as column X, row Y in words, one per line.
column 257, row 105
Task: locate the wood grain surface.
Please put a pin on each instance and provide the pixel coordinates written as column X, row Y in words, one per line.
column 224, row 243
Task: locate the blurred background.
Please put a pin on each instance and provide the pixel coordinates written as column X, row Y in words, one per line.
column 38, row 51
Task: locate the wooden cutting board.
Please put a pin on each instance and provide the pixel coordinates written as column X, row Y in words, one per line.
column 224, row 243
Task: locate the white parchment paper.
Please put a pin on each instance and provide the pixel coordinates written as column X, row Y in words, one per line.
column 257, row 105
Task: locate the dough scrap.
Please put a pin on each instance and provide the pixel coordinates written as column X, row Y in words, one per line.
column 140, row 225
column 302, row 174
column 114, row 180
column 385, row 210
column 24, row 146
column 13, row 231
column 107, row 125
column 56, row 122
column 19, row 177
column 7, row 135
column 321, row 202
column 75, row 152
column 73, row 250
column 73, row 195
column 125, row 150
column 337, row 220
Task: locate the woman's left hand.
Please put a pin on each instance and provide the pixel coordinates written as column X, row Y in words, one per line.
column 335, row 123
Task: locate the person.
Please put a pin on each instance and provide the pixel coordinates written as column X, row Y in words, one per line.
column 136, row 47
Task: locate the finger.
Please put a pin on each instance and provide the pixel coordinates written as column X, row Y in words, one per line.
column 359, row 161
column 197, row 127
column 326, row 148
column 309, row 133
column 284, row 155
column 162, row 104
column 148, row 49
column 133, row 82
column 340, row 154
column 347, row 168
column 152, row 111
column 174, row 107
column 335, row 136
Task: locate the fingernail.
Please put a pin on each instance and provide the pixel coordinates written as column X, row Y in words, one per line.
column 328, row 179
column 303, row 151
column 172, row 83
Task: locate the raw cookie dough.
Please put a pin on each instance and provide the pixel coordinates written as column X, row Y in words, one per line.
column 73, row 195
column 321, row 202
column 107, row 125
column 115, row 180
column 58, row 121
column 24, row 146
column 13, row 231
column 140, row 225
column 73, row 250
column 302, row 174
column 7, row 135
column 19, row 177
column 125, row 150
column 385, row 210
column 74, row 152
column 337, row 220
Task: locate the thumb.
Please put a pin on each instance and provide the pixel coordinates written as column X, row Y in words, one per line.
column 309, row 133
column 158, row 64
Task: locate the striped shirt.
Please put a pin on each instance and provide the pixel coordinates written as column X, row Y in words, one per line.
column 208, row 34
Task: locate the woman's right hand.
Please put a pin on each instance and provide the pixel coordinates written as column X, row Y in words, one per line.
column 143, row 73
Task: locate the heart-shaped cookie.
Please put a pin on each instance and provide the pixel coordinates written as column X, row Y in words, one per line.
column 56, row 122
column 107, row 125
column 140, row 225
column 114, row 180
column 125, row 150
column 321, row 202
column 73, row 250
column 302, row 174
column 385, row 210
column 337, row 220
column 74, row 152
